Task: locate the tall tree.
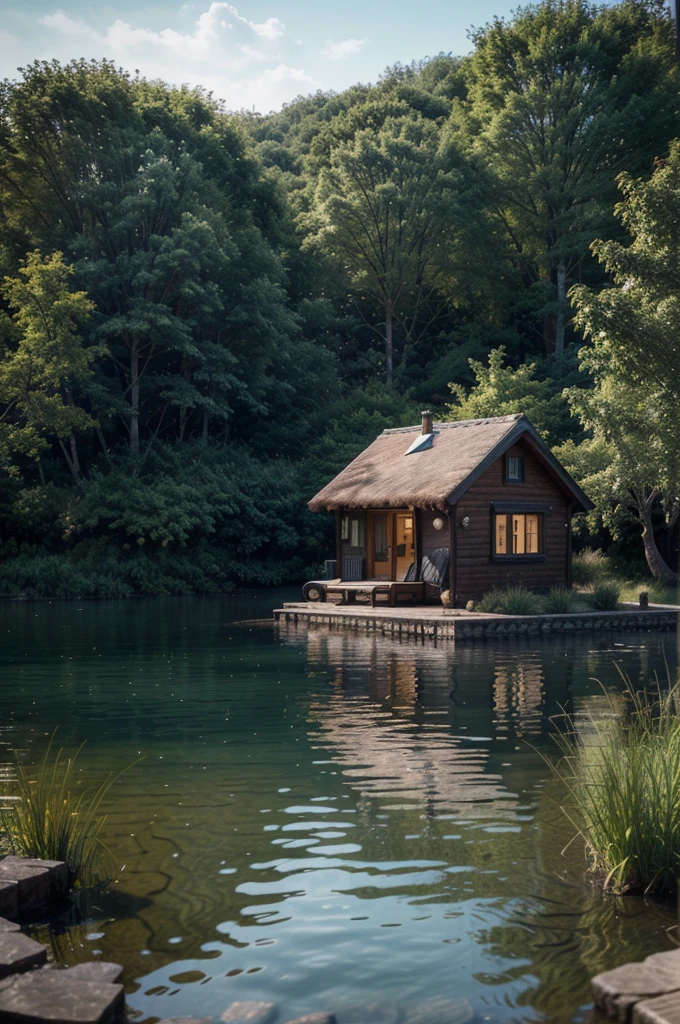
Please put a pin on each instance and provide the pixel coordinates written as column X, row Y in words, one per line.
column 634, row 358
column 154, row 195
column 636, row 323
column 562, row 98
column 45, row 362
column 386, row 206
column 630, row 463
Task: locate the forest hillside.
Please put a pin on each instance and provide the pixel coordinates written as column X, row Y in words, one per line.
column 205, row 314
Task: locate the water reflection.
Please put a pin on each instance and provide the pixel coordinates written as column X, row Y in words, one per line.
column 328, row 819
column 401, row 753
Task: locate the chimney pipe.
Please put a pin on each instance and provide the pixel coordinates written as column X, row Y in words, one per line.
column 427, row 421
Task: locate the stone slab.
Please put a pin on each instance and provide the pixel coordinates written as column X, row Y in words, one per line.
column 616, row 992
column 663, row 1010
column 441, row 1011
column 186, row 1020
column 248, row 1012
column 9, row 899
column 9, row 926
column 97, row 970
column 32, row 879
column 371, row 1013
column 18, row 953
column 20, row 867
column 53, row 997
column 315, row 1018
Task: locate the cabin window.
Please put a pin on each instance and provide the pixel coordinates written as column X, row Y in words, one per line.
column 355, row 532
column 518, row 533
column 514, row 469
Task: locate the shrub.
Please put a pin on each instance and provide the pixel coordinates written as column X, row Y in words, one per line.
column 588, row 566
column 621, row 771
column 605, row 596
column 490, row 602
column 516, row 600
column 558, row 601
column 51, row 817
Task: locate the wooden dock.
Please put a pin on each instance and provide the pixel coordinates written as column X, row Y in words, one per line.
column 435, row 623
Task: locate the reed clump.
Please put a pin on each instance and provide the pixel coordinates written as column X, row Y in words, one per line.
column 558, row 601
column 621, row 769
column 606, row 596
column 518, row 600
column 49, row 813
column 589, row 566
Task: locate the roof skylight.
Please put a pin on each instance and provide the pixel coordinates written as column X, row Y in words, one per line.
column 421, row 443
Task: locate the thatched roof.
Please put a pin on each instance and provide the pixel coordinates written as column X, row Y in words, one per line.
column 383, row 476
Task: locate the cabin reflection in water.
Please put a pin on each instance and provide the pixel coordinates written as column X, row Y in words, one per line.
column 401, row 751
column 518, row 695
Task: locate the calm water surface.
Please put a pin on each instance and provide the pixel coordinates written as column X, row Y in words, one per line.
column 330, row 819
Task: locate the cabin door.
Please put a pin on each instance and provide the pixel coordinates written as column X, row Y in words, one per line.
column 382, row 546
column 404, row 549
column 393, row 548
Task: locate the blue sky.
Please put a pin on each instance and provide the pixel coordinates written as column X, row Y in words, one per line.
column 252, row 53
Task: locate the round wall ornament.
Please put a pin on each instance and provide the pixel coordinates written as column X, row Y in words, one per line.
column 438, row 523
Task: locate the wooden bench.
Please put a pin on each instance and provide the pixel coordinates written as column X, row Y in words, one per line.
column 321, row 590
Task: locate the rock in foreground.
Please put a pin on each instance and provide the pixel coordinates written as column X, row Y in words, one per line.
column 55, row 997
column 248, row 1012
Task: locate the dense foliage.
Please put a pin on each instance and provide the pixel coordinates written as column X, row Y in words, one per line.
column 204, row 316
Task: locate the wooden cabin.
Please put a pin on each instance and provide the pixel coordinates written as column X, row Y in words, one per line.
column 464, row 507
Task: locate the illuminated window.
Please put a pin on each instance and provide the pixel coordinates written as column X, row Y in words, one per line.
column 518, row 533
column 514, row 469
column 355, row 533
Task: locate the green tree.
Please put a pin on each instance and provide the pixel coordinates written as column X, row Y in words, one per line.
column 386, row 205
column 43, row 370
column 502, row 391
column 561, row 98
column 634, row 358
column 155, row 196
column 635, row 325
column 630, row 464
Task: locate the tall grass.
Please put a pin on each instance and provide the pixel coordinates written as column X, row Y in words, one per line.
column 622, row 774
column 558, row 601
column 512, row 601
column 606, row 595
column 589, row 566
column 50, row 815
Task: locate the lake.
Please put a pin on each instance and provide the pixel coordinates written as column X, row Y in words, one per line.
column 327, row 820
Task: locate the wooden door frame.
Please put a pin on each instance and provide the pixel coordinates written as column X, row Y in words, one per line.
column 370, row 539
column 391, row 514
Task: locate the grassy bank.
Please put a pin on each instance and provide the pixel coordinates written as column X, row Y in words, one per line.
column 591, row 567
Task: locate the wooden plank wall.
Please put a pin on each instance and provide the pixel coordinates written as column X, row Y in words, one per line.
column 475, row 572
column 429, row 540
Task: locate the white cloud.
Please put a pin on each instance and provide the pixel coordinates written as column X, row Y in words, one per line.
column 271, row 29
column 343, row 50
column 225, row 52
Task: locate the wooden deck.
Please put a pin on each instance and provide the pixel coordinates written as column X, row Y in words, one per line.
column 432, row 622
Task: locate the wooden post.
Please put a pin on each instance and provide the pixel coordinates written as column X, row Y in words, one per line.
column 569, row 545
column 417, row 526
column 451, row 513
column 338, row 543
